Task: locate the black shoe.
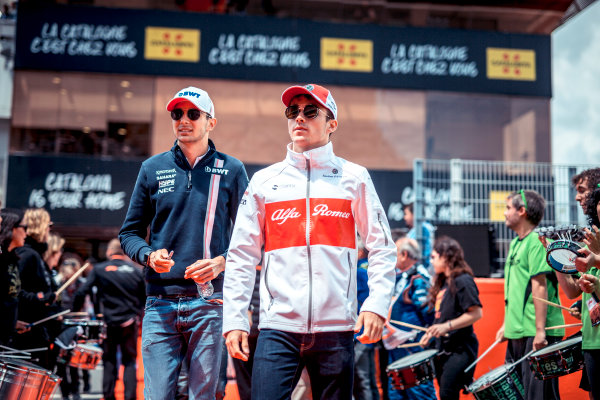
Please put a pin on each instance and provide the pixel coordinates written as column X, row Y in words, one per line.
column 86, row 387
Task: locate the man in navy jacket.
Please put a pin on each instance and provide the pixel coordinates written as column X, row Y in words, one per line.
column 185, row 200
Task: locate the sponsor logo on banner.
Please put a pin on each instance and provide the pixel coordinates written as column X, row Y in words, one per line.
column 510, row 64
column 172, row 44
column 498, row 205
column 347, row 54
column 331, row 223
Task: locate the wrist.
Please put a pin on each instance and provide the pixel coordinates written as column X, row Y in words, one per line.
column 449, row 325
column 146, row 258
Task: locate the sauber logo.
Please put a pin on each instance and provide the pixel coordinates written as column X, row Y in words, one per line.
column 322, row 209
column 283, row 215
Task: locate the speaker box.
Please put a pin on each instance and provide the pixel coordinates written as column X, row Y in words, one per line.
column 477, row 241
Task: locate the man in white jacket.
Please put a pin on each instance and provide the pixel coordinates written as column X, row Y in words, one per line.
column 306, row 211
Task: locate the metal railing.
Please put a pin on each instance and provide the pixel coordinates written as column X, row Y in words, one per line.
column 474, row 192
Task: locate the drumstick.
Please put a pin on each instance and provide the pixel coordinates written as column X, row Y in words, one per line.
column 562, row 326
column 404, row 346
column 11, row 350
column 552, row 304
column 48, row 318
column 524, row 357
column 483, row 355
column 16, row 356
column 406, row 324
column 26, row 351
column 71, row 279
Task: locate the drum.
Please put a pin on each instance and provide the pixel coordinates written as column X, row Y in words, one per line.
column 50, row 386
column 501, row 383
column 412, row 370
column 85, row 356
column 562, row 252
column 558, row 359
column 94, row 331
column 21, row 380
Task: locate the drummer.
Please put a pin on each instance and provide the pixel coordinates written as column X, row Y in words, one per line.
column 588, row 283
column 455, row 299
column 409, row 304
column 526, row 274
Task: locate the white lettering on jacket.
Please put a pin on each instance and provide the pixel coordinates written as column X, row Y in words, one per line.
column 322, row 209
column 284, row 214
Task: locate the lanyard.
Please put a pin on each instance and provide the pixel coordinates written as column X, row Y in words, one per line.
column 511, row 260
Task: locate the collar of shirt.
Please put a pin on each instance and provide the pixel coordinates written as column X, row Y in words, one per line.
column 200, row 158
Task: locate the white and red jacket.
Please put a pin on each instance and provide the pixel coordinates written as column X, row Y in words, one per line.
column 306, row 211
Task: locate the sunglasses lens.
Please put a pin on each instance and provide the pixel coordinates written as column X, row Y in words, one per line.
column 292, row 112
column 311, row 111
column 193, row 114
column 176, row 114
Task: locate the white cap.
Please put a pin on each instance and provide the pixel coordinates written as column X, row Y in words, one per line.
column 197, row 97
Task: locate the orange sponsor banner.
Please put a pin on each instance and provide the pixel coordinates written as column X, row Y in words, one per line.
column 347, row 54
column 331, row 223
column 511, row 64
column 172, row 44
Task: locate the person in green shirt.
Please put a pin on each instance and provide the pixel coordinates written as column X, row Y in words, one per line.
column 588, row 286
column 527, row 275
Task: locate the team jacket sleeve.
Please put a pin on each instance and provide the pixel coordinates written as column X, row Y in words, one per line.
column 243, row 256
column 139, row 215
column 373, row 227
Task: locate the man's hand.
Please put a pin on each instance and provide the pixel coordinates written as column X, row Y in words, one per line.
column 589, row 283
column 372, row 325
column 592, row 239
column 203, row 271
column 233, row 339
column 539, row 341
column 590, row 259
column 500, row 334
column 22, row 327
column 160, row 261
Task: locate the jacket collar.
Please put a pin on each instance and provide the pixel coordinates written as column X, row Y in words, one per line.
column 182, row 161
column 316, row 157
column 37, row 246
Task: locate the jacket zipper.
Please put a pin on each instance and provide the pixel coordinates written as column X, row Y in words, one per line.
column 349, row 280
column 271, row 299
column 189, row 182
column 381, row 226
column 308, row 227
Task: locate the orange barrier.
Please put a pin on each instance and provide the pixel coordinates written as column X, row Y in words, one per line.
column 491, row 292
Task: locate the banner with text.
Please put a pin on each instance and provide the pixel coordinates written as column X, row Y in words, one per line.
column 76, row 191
column 71, row 38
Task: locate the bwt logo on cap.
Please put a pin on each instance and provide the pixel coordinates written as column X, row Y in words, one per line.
column 189, row 94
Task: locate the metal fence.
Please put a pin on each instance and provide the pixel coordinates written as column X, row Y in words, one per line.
column 465, row 192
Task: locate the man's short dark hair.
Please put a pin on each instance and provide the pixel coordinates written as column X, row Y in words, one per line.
column 592, row 176
column 591, row 205
column 409, row 207
column 535, row 204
